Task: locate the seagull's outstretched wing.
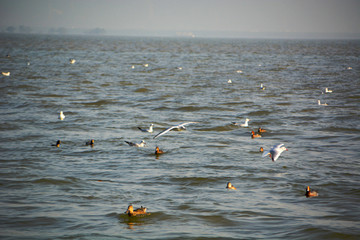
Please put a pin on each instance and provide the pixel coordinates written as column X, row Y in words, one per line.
column 182, row 125
column 165, row 131
column 276, row 151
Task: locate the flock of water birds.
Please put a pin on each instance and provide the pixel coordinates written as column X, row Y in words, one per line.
column 274, row 152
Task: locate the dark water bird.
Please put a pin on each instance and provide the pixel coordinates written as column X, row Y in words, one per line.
column 91, row 142
column 137, row 212
column 255, row 135
column 230, row 186
column 310, row 193
column 58, row 142
column 158, row 151
column 261, row 130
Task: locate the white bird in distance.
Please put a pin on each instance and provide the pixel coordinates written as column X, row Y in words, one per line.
column 150, row 129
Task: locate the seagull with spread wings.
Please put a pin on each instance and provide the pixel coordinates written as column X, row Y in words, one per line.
column 178, row 127
column 275, row 151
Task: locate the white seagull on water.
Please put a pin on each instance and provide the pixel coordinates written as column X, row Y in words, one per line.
column 245, row 124
column 327, row 90
column 275, row 151
column 150, row 130
column 141, row 144
column 61, row 116
column 178, row 127
column 322, row 104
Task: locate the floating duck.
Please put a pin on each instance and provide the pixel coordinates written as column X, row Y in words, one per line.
column 262, row 87
column 58, row 142
column 146, row 65
column 158, row 151
column 309, row 193
column 261, row 130
column 5, row 73
column 90, row 142
column 322, row 104
column 230, row 186
column 261, row 149
column 255, row 135
column 132, row 67
column 61, row 116
column 141, row 144
column 328, row 90
column 349, row 68
column 275, row 151
column 150, row 130
column 239, row 71
column 245, row 124
column 72, row 60
column 137, row 212
column 229, row 81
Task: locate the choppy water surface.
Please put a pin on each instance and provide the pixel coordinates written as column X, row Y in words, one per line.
column 79, row 192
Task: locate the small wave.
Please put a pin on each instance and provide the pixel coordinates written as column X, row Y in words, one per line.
column 98, row 103
column 141, row 90
column 54, row 181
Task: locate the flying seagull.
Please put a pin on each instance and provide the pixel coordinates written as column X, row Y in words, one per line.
column 178, row 127
column 275, row 151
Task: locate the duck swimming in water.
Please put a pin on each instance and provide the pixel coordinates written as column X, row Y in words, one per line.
column 230, row 186
column 58, row 142
column 310, row 193
column 158, row 151
column 261, row 149
column 255, row 135
column 261, row 130
column 90, row 142
column 137, row 212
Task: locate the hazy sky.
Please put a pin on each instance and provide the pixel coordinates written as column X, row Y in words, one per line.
column 322, row 16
